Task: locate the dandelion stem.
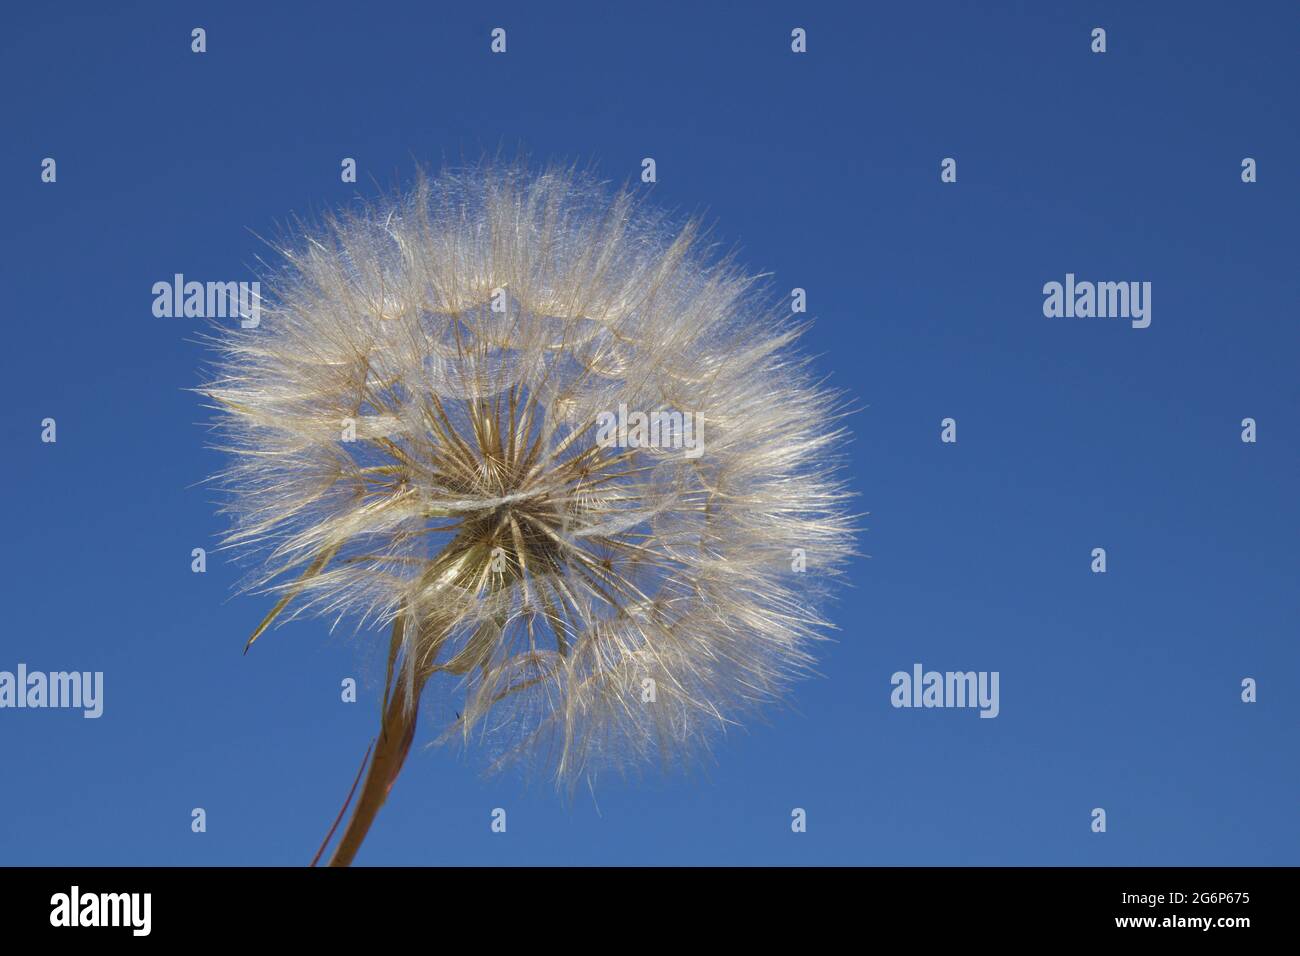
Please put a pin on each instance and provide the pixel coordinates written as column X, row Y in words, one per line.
column 346, row 803
column 395, row 735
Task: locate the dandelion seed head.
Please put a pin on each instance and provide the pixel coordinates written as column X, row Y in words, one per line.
column 413, row 432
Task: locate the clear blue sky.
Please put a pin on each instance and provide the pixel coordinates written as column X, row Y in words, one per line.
column 1119, row 691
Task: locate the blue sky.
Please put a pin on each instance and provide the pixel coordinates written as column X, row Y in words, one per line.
column 1119, row 691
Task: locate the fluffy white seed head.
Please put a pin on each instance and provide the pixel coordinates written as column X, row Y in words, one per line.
column 420, row 432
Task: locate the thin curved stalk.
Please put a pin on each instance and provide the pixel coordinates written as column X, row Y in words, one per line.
column 395, row 736
column 396, row 731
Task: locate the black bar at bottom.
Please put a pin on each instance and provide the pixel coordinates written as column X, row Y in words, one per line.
column 366, row 905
